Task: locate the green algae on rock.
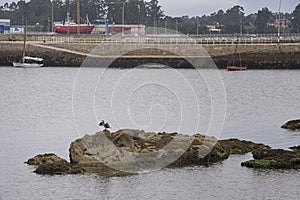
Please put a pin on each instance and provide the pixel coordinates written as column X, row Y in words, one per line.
column 275, row 159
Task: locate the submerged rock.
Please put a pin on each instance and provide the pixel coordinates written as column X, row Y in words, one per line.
column 275, row 159
column 292, row 125
column 51, row 164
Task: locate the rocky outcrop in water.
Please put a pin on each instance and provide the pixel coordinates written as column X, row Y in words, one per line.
column 235, row 146
column 94, row 152
column 129, row 151
column 275, row 159
column 51, row 164
column 292, row 125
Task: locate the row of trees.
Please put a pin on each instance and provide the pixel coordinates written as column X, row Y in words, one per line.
column 40, row 11
column 149, row 13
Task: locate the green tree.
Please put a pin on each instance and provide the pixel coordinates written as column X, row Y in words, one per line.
column 296, row 19
column 154, row 12
column 233, row 19
column 263, row 17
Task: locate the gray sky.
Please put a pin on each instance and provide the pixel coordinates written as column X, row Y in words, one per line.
column 201, row 7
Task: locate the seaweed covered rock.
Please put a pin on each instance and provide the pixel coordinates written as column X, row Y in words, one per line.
column 135, row 150
column 275, row 159
column 131, row 151
column 235, row 146
column 58, row 168
column 51, row 164
column 292, row 125
column 48, row 158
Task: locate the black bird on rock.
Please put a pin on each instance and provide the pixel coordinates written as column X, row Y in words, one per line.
column 104, row 124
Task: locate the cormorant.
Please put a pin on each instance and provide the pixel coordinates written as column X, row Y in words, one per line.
column 106, row 126
column 102, row 123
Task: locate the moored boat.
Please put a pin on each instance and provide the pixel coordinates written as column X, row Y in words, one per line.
column 29, row 62
column 70, row 27
column 235, row 68
column 26, row 61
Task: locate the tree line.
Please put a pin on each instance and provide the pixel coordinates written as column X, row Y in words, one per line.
column 150, row 13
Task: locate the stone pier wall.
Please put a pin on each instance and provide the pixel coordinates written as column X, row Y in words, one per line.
column 285, row 56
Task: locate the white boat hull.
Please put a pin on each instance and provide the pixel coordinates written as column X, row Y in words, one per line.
column 27, row 65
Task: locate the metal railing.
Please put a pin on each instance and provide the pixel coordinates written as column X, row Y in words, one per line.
column 175, row 39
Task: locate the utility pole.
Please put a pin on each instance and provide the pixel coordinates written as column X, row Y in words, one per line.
column 123, row 16
column 52, row 17
column 197, row 26
column 166, row 27
column 78, row 16
column 139, row 9
column 279, row 21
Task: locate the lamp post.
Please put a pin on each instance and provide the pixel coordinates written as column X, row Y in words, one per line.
column 166, row 27
column 279, row 23
column 154, row 24
column 139, row 7
column 197, row 26
column 123, row 16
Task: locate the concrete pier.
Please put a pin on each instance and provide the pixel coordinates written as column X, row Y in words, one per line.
column 72, row 54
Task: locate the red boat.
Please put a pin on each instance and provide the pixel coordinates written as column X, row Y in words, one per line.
column 235, row 68
column 232, row 66
column 70, row 27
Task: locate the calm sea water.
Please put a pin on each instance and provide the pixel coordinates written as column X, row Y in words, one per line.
column 44, row 110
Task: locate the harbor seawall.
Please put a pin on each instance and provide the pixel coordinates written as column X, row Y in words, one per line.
column 254, row 56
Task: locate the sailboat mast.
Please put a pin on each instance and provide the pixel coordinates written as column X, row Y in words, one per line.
column 78, row 16
column 235, row 51
column 24, row 44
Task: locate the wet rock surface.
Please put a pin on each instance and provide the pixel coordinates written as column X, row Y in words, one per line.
column 235, row 146
column 275, row 159
column 51, row 164
column 134, row 150
column 128, row 151
column 49, row 158
column 292, row 125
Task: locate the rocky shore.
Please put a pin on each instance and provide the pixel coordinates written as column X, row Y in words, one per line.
column 132, row 151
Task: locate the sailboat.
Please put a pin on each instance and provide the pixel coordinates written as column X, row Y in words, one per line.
column 27, row 61
column 233, row 67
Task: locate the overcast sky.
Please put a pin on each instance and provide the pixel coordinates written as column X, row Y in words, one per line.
column 201, row 7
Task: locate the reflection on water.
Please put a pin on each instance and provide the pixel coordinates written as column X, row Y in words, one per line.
column 37, row 117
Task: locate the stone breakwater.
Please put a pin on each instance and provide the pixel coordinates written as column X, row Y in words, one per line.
column 135, row 150
column 254, row 56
